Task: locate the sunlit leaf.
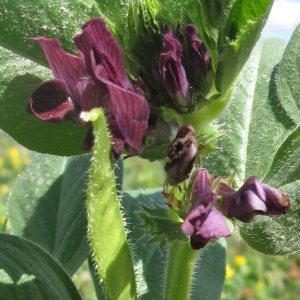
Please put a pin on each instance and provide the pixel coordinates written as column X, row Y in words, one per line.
column 47, row 205
column 28, row 272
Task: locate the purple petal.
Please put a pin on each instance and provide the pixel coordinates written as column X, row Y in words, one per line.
column 51, row 102
column 254, row 198
column 201, row 185
column 96, row 94
column 131, row 112
column 65, row 66
column 172, row 72
column 97, row 45
column 205, row 222
column 198, row 55
column 214, row 226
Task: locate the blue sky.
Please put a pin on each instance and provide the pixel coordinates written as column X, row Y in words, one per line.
column 283, row 19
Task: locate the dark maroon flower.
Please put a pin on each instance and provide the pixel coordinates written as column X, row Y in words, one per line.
column 204, row 221
column 172, row 72
column 253, row 198
column 198, row 55
column 95, row 79
column 182, row 153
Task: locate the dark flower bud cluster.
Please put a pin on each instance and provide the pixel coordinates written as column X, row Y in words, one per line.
column 180, row 79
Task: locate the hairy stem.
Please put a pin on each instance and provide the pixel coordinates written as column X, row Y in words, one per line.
column 180, row 265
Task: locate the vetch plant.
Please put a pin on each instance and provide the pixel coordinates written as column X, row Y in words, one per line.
column 187, row 84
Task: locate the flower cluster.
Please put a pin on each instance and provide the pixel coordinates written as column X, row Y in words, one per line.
column 205, row 221
column 94, row 79
column 97, row 78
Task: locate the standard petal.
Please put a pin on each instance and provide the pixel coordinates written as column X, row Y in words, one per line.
column 66, row 67
column 97, row 45
column 214, row 226
column 131, row 112
column 51, row 102
column 205, row 222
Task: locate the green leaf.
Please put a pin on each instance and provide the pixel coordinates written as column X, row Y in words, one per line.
column 15, row 91
column 46, row 205
column 25, row 19
column 255, row 121
column 149, row 259
column 240, row 32
column 107, row 235
column 156, row 222
column 289, row 77
column 28, row 272
column 208, row 281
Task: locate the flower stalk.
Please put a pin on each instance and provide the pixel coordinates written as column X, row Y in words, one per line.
column 179, row 273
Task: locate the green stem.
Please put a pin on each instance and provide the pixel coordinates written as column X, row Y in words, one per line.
column 180, row 266
column 199, row 119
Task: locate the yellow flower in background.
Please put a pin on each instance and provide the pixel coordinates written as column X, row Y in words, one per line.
column 2, row 220
column 4, row 189
column 260, row 285
column 14, row 155
column 13, row 152
column 240, row 260
column 229, row 272
column 1, row 162
column 15, row 161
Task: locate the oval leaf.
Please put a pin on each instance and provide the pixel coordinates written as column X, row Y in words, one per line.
column 47, row 205
column 28, row 272
column 289, row 79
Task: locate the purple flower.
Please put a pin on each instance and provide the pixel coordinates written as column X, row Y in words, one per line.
column 204, row 221
column 198, row 55
column 251, row 199
column 94, row 79
column 172, row 72
column 182, row 153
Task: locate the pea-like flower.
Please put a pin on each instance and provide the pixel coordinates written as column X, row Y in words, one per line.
column 95, row 78
column 204, row 221
column 253, row 198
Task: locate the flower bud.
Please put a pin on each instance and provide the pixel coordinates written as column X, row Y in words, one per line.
column 182, row 153
column 199, row 59
column 172, row 72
